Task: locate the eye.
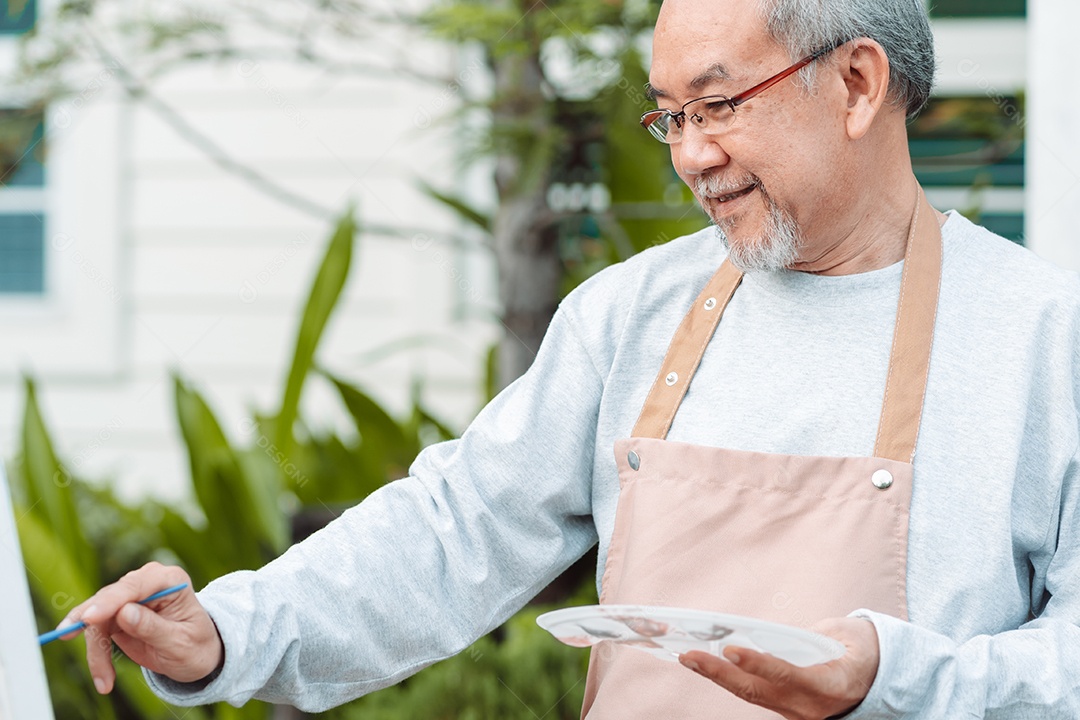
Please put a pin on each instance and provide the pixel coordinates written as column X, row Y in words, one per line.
column 708, row 110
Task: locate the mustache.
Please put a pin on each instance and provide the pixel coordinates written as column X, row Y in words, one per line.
column 713, row 184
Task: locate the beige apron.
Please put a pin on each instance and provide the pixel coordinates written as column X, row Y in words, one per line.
column 777, row 537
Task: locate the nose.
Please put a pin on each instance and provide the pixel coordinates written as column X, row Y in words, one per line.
column 698, row 153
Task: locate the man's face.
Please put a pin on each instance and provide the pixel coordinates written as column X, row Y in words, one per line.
column 769, row 182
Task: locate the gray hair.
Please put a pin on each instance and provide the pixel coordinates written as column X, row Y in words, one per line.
column 902, row 27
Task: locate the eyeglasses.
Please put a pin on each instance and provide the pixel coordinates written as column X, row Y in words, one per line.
column 713, row 114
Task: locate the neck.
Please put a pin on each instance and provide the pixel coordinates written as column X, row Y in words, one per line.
column 874, row 237
column 869, row 228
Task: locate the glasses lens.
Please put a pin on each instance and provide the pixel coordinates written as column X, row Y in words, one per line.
column 711, row 115
column 659, row 125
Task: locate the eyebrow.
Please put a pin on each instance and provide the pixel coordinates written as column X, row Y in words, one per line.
column 716, row 71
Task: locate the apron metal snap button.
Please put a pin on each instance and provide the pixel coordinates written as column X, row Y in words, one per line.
column 882, row 479
column 710, row 303
column 672, row 378
column 634, row 460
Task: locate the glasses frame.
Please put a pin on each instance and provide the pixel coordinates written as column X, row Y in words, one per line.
column 649, row 118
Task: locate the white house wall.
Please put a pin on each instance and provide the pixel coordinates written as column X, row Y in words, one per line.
column 1053, row 173
column 213, row 273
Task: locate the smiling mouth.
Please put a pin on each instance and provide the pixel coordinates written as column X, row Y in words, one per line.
column 734, row 195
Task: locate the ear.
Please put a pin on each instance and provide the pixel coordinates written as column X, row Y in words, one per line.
column 865, row 71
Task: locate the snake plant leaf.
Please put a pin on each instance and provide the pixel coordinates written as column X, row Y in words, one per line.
column 49, row 485
column 465, row 211
column 190, row 544
column 331, row 473
column 325, row 291
column 386, row 450
column 54, row 572
column 242, row 517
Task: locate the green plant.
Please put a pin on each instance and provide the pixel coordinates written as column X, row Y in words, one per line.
column 69, row 553
column 521, row 674
column 77, row 537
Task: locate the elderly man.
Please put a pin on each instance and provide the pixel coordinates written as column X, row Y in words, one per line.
column 838, row 408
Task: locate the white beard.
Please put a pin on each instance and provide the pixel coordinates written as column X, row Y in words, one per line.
column 776, row 248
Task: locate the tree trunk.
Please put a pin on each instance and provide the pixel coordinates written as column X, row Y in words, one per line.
column 525, row 235
column 529, row 278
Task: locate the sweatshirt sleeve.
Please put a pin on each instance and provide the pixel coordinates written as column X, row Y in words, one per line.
column 1030, row 672
column 425, row 565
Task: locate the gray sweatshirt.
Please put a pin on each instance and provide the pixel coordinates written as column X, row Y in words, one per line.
column 429, row 563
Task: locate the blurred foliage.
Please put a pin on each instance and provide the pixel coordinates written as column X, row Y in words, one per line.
column 973, row 143
column 992, row 117
column 21, row 141
column 66, row 560
column 649, row 204
column 520, row 672
column 584, row 135
column 78, row 536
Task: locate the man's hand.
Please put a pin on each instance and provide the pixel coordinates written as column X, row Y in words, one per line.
column 810, row 693
column 173, row 636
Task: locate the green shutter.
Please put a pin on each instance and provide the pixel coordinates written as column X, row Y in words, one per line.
column 17, row 16
column 978, row 8
column 22, row 253
column 973, row 142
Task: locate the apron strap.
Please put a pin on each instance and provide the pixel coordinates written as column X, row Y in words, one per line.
column 685, row 353
column 909, row 364
column 913, row 338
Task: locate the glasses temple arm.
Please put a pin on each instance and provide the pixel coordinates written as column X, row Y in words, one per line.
column 763, row 86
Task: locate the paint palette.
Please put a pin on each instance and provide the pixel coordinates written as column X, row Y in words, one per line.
column 668, row 632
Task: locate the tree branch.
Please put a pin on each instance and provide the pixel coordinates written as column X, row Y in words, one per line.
column 136, row 90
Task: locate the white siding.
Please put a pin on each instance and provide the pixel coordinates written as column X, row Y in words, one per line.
column 1053, row 170
column 196, row 270
column 980, row 56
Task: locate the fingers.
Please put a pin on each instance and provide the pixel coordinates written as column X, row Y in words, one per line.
column 100, row 613
column 726, row 671
column 134, row 586
column 143, row 624
column 64, row 623
column 739, row 665
column 823, row 690
column 185, row 650
column 74, row 615
column 764, row 666
column 770, row 682
column 99, row 659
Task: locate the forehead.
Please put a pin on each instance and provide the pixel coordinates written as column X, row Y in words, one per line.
column 695, row 36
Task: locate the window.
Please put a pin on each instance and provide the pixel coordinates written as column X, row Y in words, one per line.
column 978, row 8
column 22, row 203
column 17, row 16
column 968, row 153
column 22, row 254
column 60, row 252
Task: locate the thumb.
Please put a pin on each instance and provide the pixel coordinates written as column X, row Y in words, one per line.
column 143, row 624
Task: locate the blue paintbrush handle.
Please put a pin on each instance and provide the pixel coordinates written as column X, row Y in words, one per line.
column 60, row 632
